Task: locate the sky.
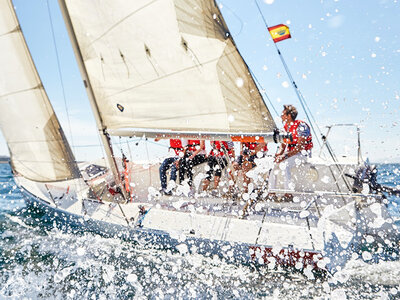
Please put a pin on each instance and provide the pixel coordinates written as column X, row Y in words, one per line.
column 344, row 56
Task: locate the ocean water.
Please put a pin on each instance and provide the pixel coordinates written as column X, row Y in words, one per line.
column 40, row 261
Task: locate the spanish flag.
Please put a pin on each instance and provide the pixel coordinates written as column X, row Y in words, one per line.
column 279, row 32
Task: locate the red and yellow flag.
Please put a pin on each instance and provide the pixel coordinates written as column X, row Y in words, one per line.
column 279, row 32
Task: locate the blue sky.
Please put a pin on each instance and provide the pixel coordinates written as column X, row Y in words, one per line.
column 344, row 56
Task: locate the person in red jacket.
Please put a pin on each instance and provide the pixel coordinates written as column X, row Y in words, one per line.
column 292, row 152
column 217, row 160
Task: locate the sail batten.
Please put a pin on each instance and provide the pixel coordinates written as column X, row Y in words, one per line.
column 168, row 64
column 38, row 147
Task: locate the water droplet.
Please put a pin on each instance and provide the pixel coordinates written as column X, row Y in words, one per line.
column 239, row 82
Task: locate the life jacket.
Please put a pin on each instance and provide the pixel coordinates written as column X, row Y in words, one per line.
column 293, row 130
column 252, row 146
column 193, row 144
column 176, row 145
column 218, row 148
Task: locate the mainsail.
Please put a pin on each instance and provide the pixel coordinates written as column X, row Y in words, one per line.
column 167, row 65
column 38, row 148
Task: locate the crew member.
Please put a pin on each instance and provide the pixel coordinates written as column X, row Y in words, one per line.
column 249, row 151
column 176, row 152
column 125, row 178
column 194, row 155
column 217, row 160
column 292, row 152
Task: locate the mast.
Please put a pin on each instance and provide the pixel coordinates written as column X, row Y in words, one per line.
column 92, row 99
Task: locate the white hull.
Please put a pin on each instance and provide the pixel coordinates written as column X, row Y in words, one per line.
column 288, row 234
column 227, row 236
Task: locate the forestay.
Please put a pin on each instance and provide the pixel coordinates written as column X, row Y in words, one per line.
column 166, row 64
column 37, row 145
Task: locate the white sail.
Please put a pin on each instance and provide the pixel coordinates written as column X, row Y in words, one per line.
column 166, row 64
column 37, row 145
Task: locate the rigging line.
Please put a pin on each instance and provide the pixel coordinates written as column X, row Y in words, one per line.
column 335, row 160
column 129, row 149
column 51, row 196
column 34, row 71
column 59, row 72
column 262, row 223
column 263, row 92
column 236, row 16
column 120, row 146
column 309, row 231
column 127, row 142
column 123, row 213
column 148, row 159
column 300, row 97
column 290, row 76
column 95, row 145
column 118, row 168
column 151, row 142
column 229, row 174
column 76, row 184
column 156, row 143
column 303, row 104
column 341, row 171
column 359, row 144
column 103, row 151
column 87, row 146
column 262, row 16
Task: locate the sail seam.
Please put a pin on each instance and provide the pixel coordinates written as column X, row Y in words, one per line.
column 16, row 29
column 121, row 21
column 167, row 75
column 39, row 86
column 35, row 141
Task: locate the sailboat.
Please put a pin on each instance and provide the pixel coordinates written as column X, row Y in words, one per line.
column 179, row 76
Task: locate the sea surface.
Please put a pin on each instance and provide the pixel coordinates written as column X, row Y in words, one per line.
column 39, row 261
